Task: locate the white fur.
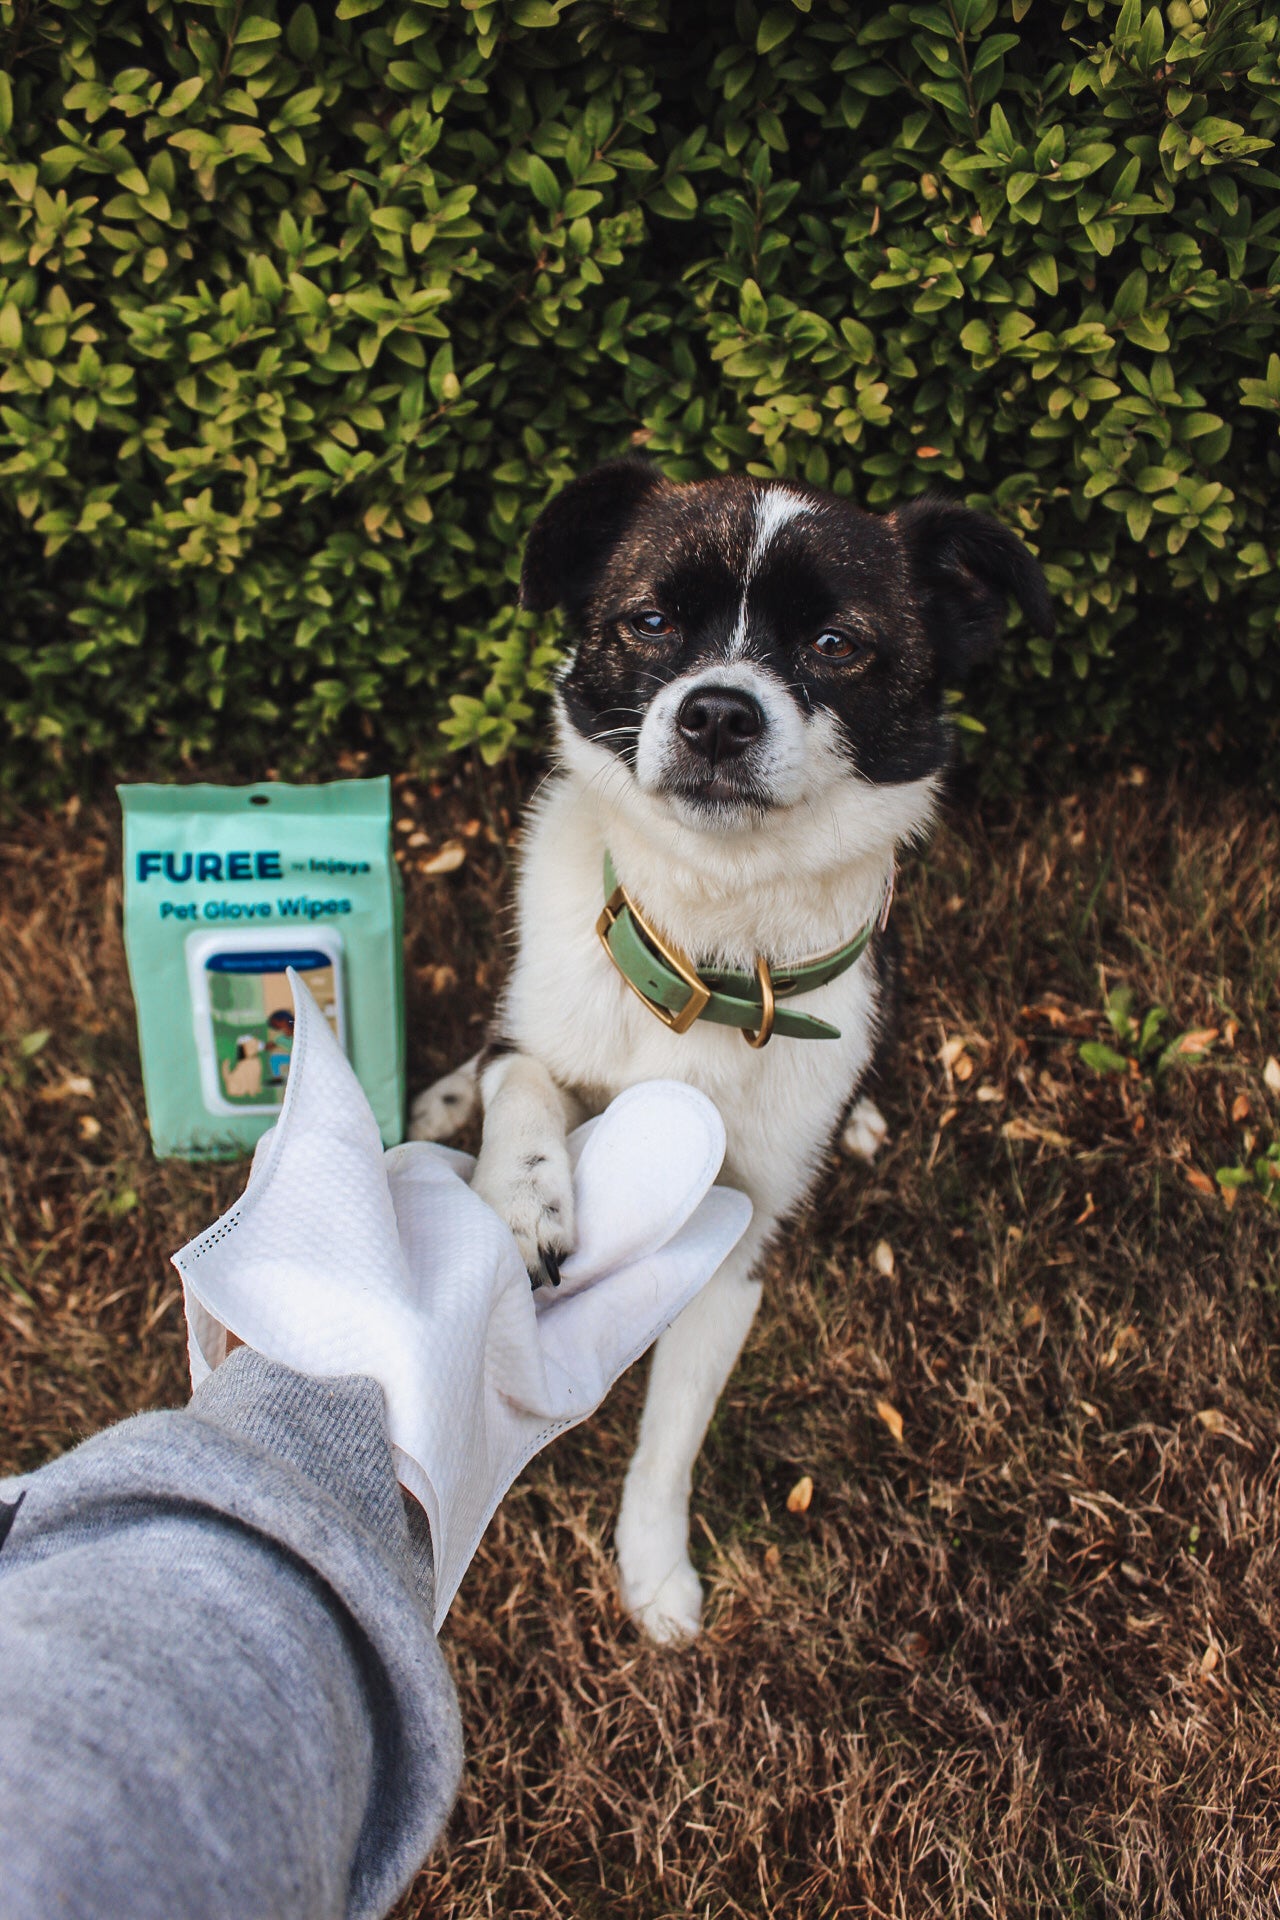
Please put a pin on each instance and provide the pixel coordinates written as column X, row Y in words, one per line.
column 792, row 883
column 523, row 1170
column 773, row 509
column 445, row 1108
column 795, row 754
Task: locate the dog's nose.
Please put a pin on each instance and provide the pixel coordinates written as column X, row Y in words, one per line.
column 720, row 722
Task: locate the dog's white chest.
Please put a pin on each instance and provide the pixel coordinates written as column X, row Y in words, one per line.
column 567, row 1004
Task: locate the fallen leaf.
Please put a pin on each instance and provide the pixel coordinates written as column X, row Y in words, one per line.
column 927, row 453
column 448, row 860
column 800, row 1495
column 1022, row 1129
column 405, row 826
column 1209, row 1659
column 1088, row 1409
column 1229, row 1033
column 1124, row 1341
column 76, row 1086
column 1213, row 1420
column 1271, row 1074
column 1198, row 1040
column 1229, row 1197
column 470, row 828
column 963, row 1068
column 90, row 1126
column 988, row 1094
column 915, row 1648
column 1054, row 1015
column 1200, row 1181
column 882, row 1258
column 419, row 839
column 1031, row 1318
column 891, row 1417
column 772, row 1559
column 1240, row 1108
column 950, row 1051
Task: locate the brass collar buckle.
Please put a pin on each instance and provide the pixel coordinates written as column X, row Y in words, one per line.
column 680, row 963
column 764, row 1033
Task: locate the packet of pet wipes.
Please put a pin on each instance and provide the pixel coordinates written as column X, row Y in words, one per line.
column 225, row 888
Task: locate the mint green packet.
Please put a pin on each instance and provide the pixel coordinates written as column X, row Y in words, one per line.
column 225, row 888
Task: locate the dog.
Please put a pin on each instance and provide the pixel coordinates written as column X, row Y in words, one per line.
column 244, row 1080
column 751, row 725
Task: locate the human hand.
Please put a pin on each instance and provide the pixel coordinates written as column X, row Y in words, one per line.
column 341, row 1259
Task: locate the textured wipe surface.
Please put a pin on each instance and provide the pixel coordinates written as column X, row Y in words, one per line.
column 341, row 1259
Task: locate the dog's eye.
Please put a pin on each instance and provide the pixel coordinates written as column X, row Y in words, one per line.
column 650, row 624
column 831, row 644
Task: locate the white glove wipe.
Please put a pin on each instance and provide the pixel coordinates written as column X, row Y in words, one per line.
column 338, row 1258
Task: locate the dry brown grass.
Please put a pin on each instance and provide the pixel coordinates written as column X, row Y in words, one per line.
column 1024, row 1660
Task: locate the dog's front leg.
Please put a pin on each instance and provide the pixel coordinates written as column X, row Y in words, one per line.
column 691, row 1363
column 523, row 1171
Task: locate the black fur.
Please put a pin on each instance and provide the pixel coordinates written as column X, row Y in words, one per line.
column 573, row 536
column 965, row 566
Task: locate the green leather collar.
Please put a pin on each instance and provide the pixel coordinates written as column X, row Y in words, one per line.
column 678, row 992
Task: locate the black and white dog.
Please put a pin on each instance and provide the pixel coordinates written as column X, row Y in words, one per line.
column 750, row 726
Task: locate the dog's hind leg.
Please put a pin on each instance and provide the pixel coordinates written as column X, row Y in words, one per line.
column 523, row 1171
column 691, row 1363
column 447, row 1105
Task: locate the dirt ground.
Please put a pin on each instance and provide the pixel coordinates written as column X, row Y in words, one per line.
column 1018, row 1655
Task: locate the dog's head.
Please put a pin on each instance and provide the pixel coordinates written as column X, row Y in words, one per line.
column 744, row 647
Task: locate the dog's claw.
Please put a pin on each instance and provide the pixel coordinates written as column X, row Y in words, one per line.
column 547, row 1272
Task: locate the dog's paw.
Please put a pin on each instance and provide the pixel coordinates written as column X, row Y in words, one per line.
column 656, row 1580
column 533, row 1191
column 446, row 1107
column 866, row 1131
column 669, row 1612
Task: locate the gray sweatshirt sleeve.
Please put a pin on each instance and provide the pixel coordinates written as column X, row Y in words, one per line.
column 220, row 1694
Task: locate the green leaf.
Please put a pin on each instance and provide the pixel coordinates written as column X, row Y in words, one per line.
column 680, row 189
column 1102, row 1059
column 302, row 36
column 310, row 297
column 1131, row 296
column 543, row 184
column 257, row 27
column 777, row 25
column 1043, row 272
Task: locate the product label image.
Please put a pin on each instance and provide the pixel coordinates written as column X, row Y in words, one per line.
column 244, row 1012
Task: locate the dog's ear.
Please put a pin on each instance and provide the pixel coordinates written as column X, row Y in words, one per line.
column 573, row 536
column 964, row 566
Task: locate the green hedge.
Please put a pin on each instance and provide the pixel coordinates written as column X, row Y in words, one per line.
column 303, row 313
